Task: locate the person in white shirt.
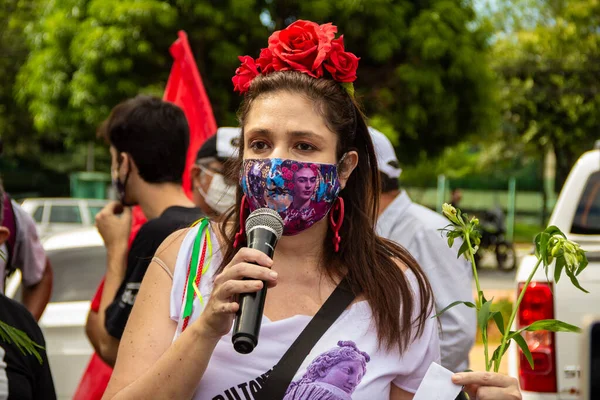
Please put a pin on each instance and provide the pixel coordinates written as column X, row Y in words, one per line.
column 417, row 229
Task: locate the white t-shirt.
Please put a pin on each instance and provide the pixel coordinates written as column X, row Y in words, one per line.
column 346, row 363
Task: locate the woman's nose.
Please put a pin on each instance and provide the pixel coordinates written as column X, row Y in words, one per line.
column 280, row 152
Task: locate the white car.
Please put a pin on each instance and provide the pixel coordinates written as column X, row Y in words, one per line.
column 556, row 375
column 53, row 215
column 78, row 259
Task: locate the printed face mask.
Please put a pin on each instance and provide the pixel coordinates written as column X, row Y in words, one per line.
column 220, row 196
column 120, row 188
column 302, row 193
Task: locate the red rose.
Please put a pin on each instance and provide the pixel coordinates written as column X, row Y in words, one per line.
column 244, row 74
column 302, row 46
column 265, row 61
column 294, row 167
column 342, row 65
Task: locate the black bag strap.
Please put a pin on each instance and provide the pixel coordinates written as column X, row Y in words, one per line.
column 282, row 374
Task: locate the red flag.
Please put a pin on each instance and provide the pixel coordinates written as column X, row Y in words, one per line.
column 185, row 89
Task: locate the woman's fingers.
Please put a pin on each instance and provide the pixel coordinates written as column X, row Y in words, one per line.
column 484, row 379
column 251, row 256
column 233, row 287
column 245, row 270
column 496, row 393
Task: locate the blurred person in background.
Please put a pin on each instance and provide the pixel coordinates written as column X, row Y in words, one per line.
column 22, row 375
column 23, row 251
column 417, row 228
column 455, row 197
column 148, row 141
column 213, row 192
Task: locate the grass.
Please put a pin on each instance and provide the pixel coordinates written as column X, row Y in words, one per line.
column 524, row 233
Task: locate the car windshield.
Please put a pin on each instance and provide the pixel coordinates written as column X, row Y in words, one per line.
column 587, row 215
column 77, row 273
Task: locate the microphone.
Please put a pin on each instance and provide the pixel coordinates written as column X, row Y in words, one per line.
column 264, row 227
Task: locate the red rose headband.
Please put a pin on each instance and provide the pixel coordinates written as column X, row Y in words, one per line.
column 303, row 46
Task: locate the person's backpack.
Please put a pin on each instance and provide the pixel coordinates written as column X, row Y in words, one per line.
column 9, row 221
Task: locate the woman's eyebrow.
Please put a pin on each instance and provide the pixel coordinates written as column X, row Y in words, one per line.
column 258, row 131
column 305, row 135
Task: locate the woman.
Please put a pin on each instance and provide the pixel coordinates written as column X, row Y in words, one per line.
column 291, row 114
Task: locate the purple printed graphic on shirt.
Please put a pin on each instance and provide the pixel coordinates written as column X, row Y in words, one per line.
column 302, row 193
column 334, row 375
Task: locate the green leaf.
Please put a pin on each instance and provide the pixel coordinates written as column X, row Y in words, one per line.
column 463, row 248
column 552, row 325
column 574, row 280
column 450, row 241
column 583, row 262
column 483, row 315
column 523, row 345
column 348, row 87
column 466, row 303
column 558, row 267
column 20, row 339
column 554, row 230
column 484, row 300
column 499, row 321
column 543, row 250
column 536, row 242
column 496, row 355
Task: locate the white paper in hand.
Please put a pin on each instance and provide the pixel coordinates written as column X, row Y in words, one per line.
column 437, row 385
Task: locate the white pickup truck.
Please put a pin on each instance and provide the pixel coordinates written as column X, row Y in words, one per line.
column 556, row 355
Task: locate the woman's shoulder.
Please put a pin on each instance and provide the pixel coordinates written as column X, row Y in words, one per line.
column 181, row 239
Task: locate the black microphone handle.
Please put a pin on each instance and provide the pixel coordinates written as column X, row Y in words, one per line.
column 246, row 327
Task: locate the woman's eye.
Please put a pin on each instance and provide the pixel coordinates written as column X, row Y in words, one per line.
column 258, row 145
column 305, row 147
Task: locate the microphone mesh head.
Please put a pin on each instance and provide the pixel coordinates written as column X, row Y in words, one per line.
column 265, row 217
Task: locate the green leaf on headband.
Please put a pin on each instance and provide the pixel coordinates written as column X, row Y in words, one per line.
column 348, row 87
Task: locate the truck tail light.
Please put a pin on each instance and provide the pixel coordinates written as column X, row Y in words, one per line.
column 537, row 304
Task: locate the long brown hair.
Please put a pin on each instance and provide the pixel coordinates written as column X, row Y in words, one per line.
column 371, row 267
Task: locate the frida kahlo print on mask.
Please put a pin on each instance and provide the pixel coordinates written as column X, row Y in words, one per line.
column 301, row 192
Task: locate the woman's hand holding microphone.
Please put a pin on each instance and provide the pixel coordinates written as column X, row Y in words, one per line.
column 241, row 275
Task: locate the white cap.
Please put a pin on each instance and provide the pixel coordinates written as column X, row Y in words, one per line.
column 387, row 162
column 228, row 142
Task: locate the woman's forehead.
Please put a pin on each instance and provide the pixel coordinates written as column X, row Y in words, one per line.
column 284, row 114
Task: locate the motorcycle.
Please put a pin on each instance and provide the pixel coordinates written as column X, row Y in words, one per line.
column 493, row 231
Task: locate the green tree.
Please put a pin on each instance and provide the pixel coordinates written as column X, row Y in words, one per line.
column 550, row 83
column 423, row 77
column 14, row 118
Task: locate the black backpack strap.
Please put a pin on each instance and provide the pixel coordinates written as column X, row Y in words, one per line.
column 282, row 374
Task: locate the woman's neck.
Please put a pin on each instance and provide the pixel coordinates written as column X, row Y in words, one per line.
column 301, row 254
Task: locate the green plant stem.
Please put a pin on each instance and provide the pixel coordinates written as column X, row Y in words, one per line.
column 513, row 316
column 474, row 267
column 479, row 301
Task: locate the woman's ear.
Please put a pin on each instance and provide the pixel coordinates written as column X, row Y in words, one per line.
column 347, row 165
column 4, row 234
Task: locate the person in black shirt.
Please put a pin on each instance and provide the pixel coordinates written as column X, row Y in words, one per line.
column 22, row 375
column 148, row 145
